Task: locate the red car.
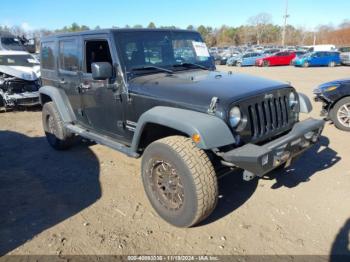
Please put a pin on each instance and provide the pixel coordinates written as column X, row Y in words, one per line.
column 280, row 58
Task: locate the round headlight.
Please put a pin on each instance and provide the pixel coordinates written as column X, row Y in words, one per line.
column 235, row 116
column 292, row 99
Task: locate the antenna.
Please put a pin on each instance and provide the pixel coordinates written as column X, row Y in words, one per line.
column 286, row 16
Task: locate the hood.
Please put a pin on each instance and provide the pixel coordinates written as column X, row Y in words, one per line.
column 13, row 47
column 335, row 82
column 195, row 89
column 22, row 72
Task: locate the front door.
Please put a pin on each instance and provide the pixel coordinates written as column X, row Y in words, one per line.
column 316, row 59
column 102, row 106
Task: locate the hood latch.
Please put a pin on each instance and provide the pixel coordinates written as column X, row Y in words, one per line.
column 212, row 106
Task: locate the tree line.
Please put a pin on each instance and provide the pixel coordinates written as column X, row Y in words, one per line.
column 259, row 29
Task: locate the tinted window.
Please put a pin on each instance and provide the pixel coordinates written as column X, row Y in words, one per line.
column 344, row 49
column 47, row 55
column 69, row 58
column 10, row 41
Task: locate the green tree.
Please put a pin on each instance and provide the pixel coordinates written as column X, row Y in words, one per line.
column 190, row 27
column 151, row 25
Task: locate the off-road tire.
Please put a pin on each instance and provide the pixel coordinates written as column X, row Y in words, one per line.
column 196, row 173
column 57, row 136
column 334, row 114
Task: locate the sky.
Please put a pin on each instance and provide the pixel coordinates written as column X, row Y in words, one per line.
column 38, row 14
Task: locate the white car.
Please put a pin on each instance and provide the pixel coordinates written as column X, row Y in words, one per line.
column 19, row 79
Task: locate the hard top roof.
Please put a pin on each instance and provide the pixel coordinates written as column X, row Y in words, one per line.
column 113, row 30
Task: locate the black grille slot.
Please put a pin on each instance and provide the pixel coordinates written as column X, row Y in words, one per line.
column 269, row 115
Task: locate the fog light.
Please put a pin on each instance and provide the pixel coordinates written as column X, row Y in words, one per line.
column 315, row 138
column 265, row 160
column 309, row 135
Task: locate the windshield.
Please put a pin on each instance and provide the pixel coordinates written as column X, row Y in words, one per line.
column 18, row 60
column 344, row 49
column 165, row 49
column 10, row 41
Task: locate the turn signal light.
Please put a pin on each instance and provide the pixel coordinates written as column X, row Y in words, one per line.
column 196, row 138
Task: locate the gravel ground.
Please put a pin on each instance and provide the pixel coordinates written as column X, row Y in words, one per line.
column 90, row 200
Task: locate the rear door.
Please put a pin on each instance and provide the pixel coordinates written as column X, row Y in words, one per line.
column 69, row 67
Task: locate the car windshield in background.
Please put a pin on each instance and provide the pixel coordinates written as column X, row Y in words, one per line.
column 18, row 60
column 159, row 50
column 10, row 41
column 344, row 49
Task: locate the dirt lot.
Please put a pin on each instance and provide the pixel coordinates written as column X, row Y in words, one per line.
column 90, row 200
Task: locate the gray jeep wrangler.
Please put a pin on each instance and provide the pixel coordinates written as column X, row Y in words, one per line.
column 156, row 94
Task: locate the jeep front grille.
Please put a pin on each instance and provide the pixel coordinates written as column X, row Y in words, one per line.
column 267, row 116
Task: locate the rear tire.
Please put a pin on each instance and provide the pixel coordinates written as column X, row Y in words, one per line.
column 57, row 136
column 340, row 114
column 179, row 181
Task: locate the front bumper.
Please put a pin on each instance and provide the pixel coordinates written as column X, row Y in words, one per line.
column 259, row 160
column 26, row 99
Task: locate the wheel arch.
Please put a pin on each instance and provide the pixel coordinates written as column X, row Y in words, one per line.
column 333, row 103
column 213, row 131
column 56, row 95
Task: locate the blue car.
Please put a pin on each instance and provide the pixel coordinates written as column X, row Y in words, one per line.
column 249, row 59
column 319, row 58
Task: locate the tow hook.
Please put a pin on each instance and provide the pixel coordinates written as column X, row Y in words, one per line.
column 248, row 176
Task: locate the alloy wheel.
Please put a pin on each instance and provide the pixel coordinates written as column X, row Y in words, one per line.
column 343, row 115
column 166, row 184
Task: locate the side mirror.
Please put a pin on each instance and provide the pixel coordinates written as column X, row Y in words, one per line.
column 101, row 70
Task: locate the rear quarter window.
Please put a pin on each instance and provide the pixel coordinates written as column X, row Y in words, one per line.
column 47, row 55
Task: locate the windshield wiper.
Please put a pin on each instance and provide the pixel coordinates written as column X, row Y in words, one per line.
column 188, row 65
column 152, row 68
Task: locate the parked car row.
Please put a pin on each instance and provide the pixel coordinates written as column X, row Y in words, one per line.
column 299, row 58
column 303, row 56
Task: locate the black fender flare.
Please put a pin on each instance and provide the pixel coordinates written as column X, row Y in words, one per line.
column 213, row 131
column 61, row 100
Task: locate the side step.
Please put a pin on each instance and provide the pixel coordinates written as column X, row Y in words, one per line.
column 100, row 139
